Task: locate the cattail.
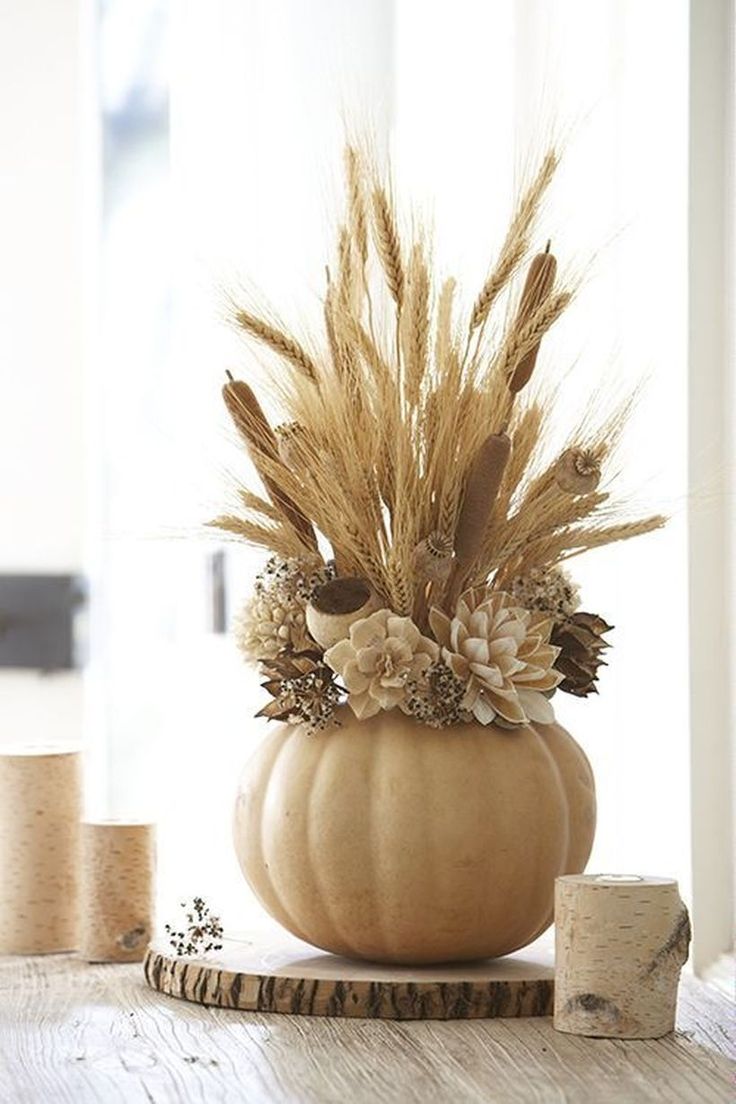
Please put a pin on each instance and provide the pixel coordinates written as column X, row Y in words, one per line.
column 481, row 491
column 248, row 417
column 253, row 426
column 539, row 281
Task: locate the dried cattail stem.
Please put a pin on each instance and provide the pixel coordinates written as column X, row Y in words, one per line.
column 253, row 426
column 481, row 491
column 539, row 282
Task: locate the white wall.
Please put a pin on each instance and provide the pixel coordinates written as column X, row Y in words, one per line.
column 44, row 214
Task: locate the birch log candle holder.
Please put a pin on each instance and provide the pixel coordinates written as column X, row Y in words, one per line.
column 116, row 900
column 40, row 809
column 621, row 941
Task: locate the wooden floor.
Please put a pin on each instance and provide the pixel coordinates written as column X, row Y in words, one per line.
column 73, row 1034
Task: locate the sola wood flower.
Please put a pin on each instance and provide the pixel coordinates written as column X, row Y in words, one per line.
column 383, row 653
column 274, row 620
column 503, row 655
column 269, row 625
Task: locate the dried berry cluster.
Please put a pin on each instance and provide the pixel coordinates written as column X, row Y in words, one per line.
column 437, row 699
column 303, row 689
column 202, row 932
column 293, row 578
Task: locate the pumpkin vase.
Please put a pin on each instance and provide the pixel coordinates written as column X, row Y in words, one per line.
column 387, row 840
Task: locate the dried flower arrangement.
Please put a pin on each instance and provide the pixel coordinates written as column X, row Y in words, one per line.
column 419, row 456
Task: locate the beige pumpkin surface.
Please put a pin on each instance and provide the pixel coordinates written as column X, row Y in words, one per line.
column 391, row 841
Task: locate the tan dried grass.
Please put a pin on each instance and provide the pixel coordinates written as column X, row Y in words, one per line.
column 393, row 437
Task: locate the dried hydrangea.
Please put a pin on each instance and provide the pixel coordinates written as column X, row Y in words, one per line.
column 274, row 619
column 436, row 699
column 304, row 691
column 382, row 655
column 550, row 590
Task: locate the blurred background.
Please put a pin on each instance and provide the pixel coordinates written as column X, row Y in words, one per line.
column 156, row 152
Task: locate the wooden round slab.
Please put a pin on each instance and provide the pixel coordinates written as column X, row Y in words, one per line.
column 281, row 974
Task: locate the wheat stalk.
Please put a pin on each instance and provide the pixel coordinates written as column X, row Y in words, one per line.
column 275, row 339
column 516, row 242
column 356, row 203
column 405, row 434
column 387, row 245
column 523, row 338
column 415, row 325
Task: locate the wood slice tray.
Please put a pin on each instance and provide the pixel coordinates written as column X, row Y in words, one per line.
column 277, row 973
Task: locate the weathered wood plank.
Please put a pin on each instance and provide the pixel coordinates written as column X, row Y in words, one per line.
column 77, row 1034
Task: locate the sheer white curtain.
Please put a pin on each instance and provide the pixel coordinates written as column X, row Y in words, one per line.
column 260, row 90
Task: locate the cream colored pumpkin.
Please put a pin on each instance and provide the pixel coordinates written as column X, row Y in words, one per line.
column 390, row 841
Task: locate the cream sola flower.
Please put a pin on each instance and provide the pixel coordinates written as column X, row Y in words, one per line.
column 503, row 655
column 383, row 653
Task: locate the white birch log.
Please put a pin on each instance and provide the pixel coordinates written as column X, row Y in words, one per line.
column 117, row 887
column 40, row 810
column 621, row 942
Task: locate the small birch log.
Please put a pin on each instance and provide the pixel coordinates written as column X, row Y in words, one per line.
column 620, row 944
column 40, row 809
column 116, row 899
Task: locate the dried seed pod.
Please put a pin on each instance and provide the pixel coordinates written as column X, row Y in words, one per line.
column 433, row 557
column 577, row 471
column 335, row 607
column 539, row 281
